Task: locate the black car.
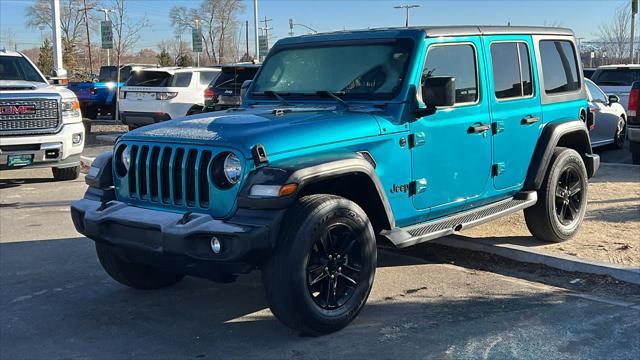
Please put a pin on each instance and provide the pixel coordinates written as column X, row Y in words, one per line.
column 224, row 91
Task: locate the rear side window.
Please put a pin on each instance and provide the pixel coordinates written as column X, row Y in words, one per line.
column 181, row 79
column 511, row 70
column 559, row 66
column 458, row 61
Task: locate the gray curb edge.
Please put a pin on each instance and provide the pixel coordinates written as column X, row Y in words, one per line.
column 528, row 255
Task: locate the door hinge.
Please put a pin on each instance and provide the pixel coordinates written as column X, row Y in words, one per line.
column 497, row 127
column 498, row 169
column 416, row 139
column 418, row 186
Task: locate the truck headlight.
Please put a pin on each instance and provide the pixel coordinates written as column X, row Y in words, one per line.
column 226, row 170
column 232, row 168
column 71, row 109
column 126, row 157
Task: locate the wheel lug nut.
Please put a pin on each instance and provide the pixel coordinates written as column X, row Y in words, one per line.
column 339, row 268
column 332, row 276
column 330, row 257
column 338, row 257
column 326, row 269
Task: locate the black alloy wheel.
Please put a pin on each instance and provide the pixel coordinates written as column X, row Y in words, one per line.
column 568, row 196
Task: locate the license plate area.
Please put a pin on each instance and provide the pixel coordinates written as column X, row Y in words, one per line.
column 19, row 160
column 143, row 95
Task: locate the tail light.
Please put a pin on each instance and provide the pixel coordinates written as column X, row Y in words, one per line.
column 634, row 97
column 209, row 94
column 166, row 95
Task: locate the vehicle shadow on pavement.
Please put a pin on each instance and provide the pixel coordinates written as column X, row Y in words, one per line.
column 11, row 183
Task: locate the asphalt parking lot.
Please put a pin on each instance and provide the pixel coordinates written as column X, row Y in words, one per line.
column 427, row 302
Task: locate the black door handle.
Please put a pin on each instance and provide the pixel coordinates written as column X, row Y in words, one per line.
column 479, row 128
column 529, row 119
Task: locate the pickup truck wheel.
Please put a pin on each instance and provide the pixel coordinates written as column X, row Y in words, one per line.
column 134, row 275
column 321, row 272
column 562, row 199
column 64, row 174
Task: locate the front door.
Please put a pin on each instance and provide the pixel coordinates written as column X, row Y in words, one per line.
column 515, row 108
column 454, row 158
column 606, row 119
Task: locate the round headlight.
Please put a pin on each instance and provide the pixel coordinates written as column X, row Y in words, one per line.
column 126, row 157
column 232, row 168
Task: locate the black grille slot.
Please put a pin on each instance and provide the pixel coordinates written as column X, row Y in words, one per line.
column 177, row 176
column 132, row 171
column 153, row 173
column 165, row 192
column 142, row 170
column 190, row 172
column 203, row 178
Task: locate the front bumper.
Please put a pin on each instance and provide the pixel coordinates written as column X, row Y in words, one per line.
column 54, row 150
column 162, row 238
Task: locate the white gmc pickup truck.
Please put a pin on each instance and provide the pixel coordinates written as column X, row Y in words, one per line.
column 40, row 124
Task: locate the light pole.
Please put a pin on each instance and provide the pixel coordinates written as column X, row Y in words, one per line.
column 406, row 7
column 59, row 73
column 106, row 18
column 255, row 29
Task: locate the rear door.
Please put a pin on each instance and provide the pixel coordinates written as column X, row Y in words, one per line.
column 516, row 113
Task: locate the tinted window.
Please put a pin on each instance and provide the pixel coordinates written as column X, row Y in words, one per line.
column 511, row 70
column 458, row 61
column 559, row 67
column 149, row 78
column 233, row 77
column 365, row 70
column 617, row 77
column 207, row 76
column 596, row 93
column 181, row 79
column 18, row 68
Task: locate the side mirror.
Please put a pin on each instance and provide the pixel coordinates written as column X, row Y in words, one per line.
column 244, row 87
column 439, row 91
column 614, row 99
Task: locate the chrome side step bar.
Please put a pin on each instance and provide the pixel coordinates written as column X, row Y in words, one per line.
column 414, row 234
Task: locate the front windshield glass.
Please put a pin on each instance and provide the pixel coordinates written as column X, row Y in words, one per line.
column 366, row 70
column 18, row 68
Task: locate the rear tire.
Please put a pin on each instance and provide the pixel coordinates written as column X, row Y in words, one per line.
column 134, row 275
column 321, row 272
column 562, row 199
column 64, row 174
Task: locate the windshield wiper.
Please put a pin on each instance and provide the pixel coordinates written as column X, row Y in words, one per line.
column 272, row 94
column 333, row 95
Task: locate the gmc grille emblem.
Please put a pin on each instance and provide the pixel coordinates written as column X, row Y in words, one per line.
column 18, row 110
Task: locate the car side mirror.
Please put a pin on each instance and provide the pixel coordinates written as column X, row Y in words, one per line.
column 614, row 99
column 244, row 87
column 437, row 91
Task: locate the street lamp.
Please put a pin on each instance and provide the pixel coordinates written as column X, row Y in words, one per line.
column 406, row 7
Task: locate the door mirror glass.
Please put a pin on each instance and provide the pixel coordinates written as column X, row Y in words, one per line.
column 243, row 89
column 614, row 99
column 439, row 91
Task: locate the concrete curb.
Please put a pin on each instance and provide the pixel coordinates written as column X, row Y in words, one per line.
column 528, row 255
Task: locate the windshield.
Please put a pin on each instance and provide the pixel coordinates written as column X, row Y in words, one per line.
column 232, row 77
column 373, row 70
column 617, row 77
column 18, row 68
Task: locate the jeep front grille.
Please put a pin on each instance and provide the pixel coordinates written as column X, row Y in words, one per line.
column 44, row 119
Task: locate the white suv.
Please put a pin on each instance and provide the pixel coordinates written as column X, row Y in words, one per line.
column 40, row 124
column 154, row 95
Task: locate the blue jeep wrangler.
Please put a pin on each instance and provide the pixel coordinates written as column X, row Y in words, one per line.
column 345, row 139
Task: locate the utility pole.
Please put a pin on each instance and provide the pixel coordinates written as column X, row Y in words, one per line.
column 634, row 11
column 59, row 73
column 407, row 7
column 266, row 29
column 246, row 36
column 255, row 28
column 106, row 18
column 86, row 23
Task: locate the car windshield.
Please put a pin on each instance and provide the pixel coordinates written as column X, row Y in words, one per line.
column 232, row 77
column 18, row 68
column 617, row 77
column 367, row 70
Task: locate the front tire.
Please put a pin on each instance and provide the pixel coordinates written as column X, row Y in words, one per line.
column 620, row 134
column 321, row 272
column 134, row 275
column 562, row 199
column 64, row 174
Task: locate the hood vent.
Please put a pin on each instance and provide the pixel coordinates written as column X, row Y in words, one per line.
column 17, row 87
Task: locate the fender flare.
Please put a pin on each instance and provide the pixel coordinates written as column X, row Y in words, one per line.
column 549, row 140
column 308, row 170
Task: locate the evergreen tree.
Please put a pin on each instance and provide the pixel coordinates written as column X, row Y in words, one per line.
column 45, row 57
column 184, row 60
column 164, row 59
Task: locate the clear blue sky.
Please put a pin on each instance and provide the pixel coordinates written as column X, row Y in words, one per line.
column 583, row 16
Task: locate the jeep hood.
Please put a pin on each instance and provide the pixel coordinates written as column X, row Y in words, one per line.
column 279, row 130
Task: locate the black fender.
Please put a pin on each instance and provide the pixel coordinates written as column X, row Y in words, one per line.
column 306, row 171
column 572, row 134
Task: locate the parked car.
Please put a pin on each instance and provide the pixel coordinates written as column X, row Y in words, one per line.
column 224, row 91
column 415, row 134
column 98, row 97
column 633, row 123
column 154, row 95
column 617, row 80
column 40, row 124
column 588, row 72
column 610, row 119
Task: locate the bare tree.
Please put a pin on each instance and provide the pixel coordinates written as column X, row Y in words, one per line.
column 615, row 35
column 126, row 31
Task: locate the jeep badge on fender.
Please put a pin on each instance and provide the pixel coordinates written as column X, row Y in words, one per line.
column 297, row 181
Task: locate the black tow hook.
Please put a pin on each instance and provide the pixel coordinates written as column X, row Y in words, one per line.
column 185, row 218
